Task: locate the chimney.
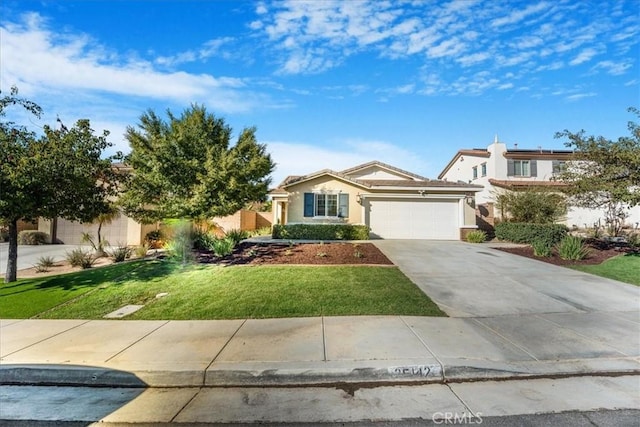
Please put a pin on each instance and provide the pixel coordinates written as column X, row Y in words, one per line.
column 515, row 146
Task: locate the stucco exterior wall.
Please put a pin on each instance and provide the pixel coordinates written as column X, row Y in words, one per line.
column 295, row 207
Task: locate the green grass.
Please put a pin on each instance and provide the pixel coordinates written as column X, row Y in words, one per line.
column 27, row 297
column 214, row 292
column 625, row 268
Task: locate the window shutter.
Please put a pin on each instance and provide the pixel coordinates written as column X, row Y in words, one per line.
column 343, row 205
column 511, row 169
column 534, row 168
column 308, row 204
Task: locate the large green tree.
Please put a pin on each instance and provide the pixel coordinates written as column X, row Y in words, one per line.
column 59, row 174
column 604, row 173
column 186, row 167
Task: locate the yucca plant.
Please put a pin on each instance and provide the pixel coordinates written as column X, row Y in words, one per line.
column 236, row 235
column 572, row 248
column 223, row 247
column 476, row 236
column 541, row 248
column 120, row 253
column 80, row 258
column 44, row 264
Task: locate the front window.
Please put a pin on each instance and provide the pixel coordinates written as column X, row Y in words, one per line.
column 483, row 169
column 326, row 205
column 475, row 172
column 522, row 168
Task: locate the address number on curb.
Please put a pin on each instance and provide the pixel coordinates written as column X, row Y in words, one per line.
column 416, row 370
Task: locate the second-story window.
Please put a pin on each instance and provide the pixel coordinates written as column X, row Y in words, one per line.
column 524, row 168
column 475, row 172
column 559, row 166
column 483, row 169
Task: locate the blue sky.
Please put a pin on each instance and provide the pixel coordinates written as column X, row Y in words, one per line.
column 331, row 84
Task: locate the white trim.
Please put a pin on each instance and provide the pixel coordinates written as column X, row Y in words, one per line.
column 428, row 189
column 412, row 196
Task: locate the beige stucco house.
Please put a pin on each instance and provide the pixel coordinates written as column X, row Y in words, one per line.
column 394, row 203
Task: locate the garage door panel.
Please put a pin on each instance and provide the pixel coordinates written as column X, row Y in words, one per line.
column 414, row 219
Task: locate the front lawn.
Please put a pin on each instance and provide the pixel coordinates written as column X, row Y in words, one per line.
column 214, row 292
column 28, row 297
column 625, row 268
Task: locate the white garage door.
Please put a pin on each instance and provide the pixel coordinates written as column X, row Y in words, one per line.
column 70, row 233
column 414, row 219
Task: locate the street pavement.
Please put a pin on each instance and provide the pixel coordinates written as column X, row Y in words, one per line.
column 523, row 335
column 29, row 255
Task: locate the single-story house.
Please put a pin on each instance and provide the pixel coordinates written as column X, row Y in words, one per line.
column 394, row 203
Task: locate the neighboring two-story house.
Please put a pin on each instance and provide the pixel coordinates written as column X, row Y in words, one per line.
column 498, row 168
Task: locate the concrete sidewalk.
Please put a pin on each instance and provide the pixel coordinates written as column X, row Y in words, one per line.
column 318, row 351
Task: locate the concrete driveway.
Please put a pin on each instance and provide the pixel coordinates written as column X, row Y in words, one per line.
column 474, row 280
column 28, row 256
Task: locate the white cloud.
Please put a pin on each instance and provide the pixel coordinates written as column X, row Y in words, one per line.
column 76, row 62
column 518, row 15
column 613, row 68
column 579, row 96
column 584, row 56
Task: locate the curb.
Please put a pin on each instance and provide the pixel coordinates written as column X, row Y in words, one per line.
column 279, row 375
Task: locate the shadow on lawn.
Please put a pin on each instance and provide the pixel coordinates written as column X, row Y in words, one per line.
column 95, row 277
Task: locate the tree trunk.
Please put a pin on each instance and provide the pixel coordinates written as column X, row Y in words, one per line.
column 12, row 258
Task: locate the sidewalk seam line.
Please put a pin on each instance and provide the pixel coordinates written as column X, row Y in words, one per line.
column 581, row 335
column 204, row 374
column 136, row 341
column 461, row 400
column 426, row 346
column 324, row 341
column 185, row 405
column 504, row 338
column 47, row 338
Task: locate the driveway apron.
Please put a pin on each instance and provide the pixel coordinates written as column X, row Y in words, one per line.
column 474, row 280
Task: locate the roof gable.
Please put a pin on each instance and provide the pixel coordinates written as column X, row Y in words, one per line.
column 376, row 170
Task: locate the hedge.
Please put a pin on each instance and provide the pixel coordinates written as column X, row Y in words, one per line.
column 524, row 232
column 33, row 237
column 321, row 231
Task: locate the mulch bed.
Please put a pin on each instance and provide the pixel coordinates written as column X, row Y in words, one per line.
column 300, row 253
column 599, row 251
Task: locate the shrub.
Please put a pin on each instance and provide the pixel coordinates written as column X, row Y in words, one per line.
column 203, row 240
column 236, row 235
column 33, row 237
column 4, row 234
column 154, row 239
column 476, row 236
column 262, row 231
column 634, row 240
column 44, row 264
column 141, row 251
column 534, row 206
column 572, row 248
column 541, row 248
column 80, row 258
column 223, row 247
column 179, row 247
column 121, row 253
column 522, row 232
column 321, row 231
